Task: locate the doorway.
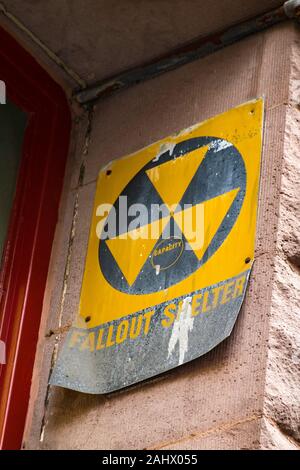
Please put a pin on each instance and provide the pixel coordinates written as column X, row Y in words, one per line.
column 34, row 138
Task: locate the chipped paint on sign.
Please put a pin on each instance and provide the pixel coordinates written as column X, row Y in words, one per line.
column 180, row 333
column 218, row 146
column 166, row 147
column 156, row 294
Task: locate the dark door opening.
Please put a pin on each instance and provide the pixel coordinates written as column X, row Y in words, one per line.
column 12, row 128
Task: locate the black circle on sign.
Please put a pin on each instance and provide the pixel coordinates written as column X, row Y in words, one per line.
column 221, row 171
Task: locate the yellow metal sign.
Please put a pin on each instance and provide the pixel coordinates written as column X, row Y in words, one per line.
column 170, row 251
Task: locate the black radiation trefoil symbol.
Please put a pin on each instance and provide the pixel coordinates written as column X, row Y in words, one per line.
column 203, row 170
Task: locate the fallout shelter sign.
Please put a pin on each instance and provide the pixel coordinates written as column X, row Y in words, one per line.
column 170, row 252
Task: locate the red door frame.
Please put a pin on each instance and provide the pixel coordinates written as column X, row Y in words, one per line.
column 32, row 225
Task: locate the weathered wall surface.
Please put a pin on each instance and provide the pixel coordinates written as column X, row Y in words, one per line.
column 216, row 401
column 282, row 405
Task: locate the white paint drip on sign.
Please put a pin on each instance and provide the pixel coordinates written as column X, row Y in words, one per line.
column 182, row 326
column 167, row 147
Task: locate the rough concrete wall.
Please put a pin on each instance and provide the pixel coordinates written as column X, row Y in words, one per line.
column 282, row 406
column 215, row 401
column 53, row 64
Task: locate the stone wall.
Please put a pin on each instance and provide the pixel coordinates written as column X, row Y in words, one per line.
column 282, row 397
column 243, row 393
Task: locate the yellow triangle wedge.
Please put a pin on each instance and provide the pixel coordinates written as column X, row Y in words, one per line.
column 172, row 178
column 200, row 223
column 132, row 249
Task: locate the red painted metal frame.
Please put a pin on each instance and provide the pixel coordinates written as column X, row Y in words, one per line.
column 32, row 225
